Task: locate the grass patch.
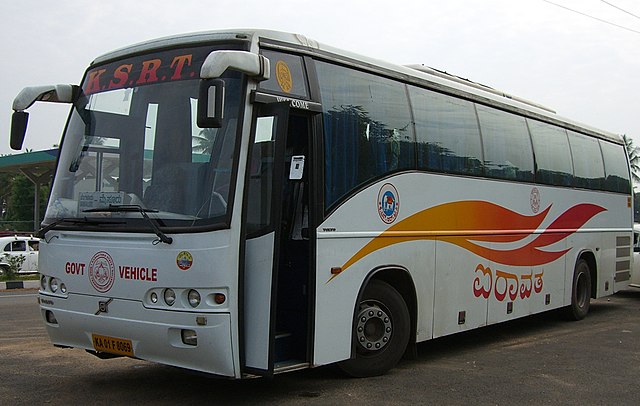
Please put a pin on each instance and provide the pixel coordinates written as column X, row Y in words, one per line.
column 27, row 277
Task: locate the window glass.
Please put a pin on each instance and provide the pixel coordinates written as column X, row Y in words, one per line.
column 553, row 155
column 587, row 161
column 132, row 138
column 18, row 246
column 287, row 75
column 367, row 128
column 261, row 175
column 506, row 143
column 7, row 248
column 615, row 166
column 447, row 133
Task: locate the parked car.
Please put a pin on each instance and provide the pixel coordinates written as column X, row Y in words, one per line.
column 15, row 246
column 635, row 269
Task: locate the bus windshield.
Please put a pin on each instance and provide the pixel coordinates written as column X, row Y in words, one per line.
column 132, row 139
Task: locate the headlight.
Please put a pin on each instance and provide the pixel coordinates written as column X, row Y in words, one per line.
column 194, row 298
column 53, row 284
column 154, row 297
column 63, row 288
column 169, row 297
column 43, row 282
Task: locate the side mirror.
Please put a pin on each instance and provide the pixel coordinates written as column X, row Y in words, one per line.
column 19, row 121
column 211, row 103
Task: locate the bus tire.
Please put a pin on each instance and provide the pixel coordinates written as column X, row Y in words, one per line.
column 580, row 292
column 381, row 331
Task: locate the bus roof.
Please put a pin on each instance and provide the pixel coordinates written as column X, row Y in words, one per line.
column 420, row 75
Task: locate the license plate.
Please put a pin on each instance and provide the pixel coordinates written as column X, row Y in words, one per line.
column 112, row 345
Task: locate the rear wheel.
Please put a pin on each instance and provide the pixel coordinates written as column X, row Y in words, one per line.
column 381, row 331
column 580, row 292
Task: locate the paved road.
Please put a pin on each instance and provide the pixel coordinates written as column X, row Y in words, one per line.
column 539, row 360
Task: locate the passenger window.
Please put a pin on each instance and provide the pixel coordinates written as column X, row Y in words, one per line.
column 615, row 167
column 367, row 128
column 553, row 155
column 506, row 144
column 7, row 248
column 18, row 246
column 587, row 161
column 447, row 135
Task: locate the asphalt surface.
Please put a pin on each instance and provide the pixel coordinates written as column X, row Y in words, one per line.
column 539, row 360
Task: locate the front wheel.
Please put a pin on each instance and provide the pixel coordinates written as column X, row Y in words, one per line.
column 381, row 331
column 580, row 292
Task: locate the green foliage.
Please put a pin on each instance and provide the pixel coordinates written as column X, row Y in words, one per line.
column 16, row 198
column 15, row 263
column 633, row 153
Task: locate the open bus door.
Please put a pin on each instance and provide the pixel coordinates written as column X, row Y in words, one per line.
column 262, row 216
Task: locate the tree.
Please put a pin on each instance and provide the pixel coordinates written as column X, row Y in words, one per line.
column 19, row 215
column 634, row 158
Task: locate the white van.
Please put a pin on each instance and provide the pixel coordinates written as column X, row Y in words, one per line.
column 16, row 246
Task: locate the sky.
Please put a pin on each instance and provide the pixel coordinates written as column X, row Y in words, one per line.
column 579, row 57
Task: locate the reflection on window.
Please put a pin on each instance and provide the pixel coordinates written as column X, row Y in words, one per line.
column 615, row 166
column 553, row 156
column 367, row 127
column 261, row 175
column 506, row 144
column 446, row 132
column 587, row 161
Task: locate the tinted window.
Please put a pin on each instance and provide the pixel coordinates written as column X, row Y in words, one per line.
column 18, row 246
column 506, row 143
column 615, row 167
column 287, row 75
column 260, row 193
column 367, row 128
column 446, row 132
column 553, row 155
column 587, row 161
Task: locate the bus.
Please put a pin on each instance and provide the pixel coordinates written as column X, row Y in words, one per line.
column 246, row 203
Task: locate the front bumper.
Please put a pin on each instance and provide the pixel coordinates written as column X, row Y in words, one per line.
column 155, row 335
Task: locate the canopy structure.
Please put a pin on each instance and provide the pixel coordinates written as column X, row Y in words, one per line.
column 38, row 166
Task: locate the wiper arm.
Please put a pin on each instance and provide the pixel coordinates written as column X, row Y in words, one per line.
column 43, row 230
column 117, row 208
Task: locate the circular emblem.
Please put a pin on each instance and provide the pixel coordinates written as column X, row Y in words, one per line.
column 388, row 203
column 184, row 260
column 102, row 272
column 283, row 76
column 534, row 199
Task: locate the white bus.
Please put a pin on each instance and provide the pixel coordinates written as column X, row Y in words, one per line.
column 252, row 202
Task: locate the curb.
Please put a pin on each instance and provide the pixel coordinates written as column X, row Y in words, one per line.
column 19, row 285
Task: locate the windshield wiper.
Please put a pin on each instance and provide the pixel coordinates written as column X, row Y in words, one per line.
column 43, row 230
column 117, row 208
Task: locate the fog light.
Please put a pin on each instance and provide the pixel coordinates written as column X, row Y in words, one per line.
column 169, row 297
column 53, row 284
column 43, row 282
column 63, row 288
column 189, row 337
column 51, row 319
column 219, row 298
column 154, row 297
column 194, row 298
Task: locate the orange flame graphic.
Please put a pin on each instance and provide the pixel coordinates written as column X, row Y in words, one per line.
column 466, row 222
